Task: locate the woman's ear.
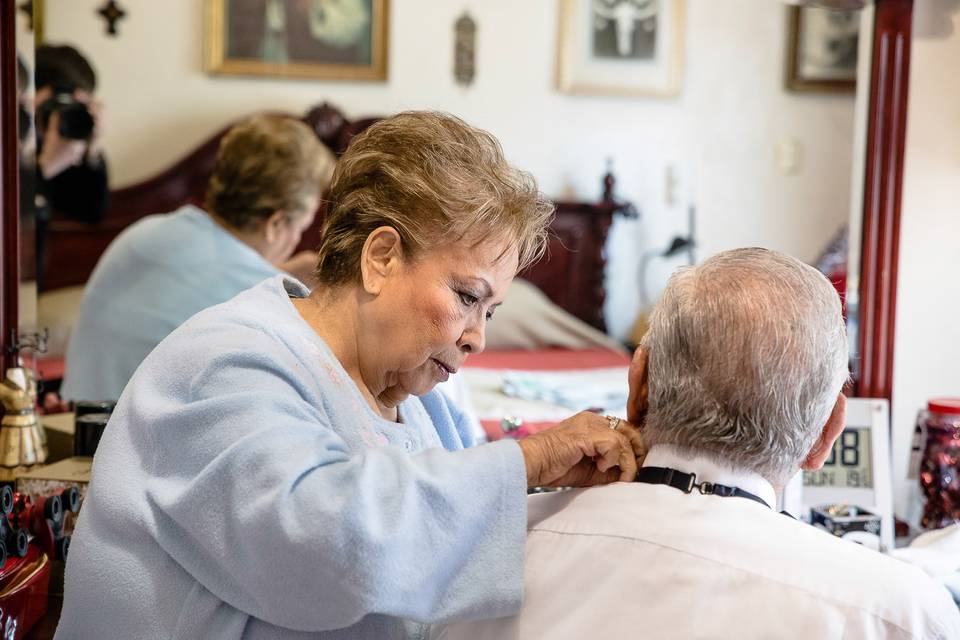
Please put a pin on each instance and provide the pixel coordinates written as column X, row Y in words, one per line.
column 381, row 256
column 638, row 380
column 830, row 432
column 273, row 227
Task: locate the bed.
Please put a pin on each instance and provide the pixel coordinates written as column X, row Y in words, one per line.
column 552, row 320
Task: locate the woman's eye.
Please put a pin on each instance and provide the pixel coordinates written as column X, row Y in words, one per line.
column 490, row 315
column 468, row 299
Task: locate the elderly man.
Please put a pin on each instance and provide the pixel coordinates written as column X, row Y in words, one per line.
column 739, row 377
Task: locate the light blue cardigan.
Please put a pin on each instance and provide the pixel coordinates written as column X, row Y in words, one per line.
column 150, row 280
column 244, row 489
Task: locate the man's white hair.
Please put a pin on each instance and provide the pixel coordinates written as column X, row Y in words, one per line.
column 746, row 355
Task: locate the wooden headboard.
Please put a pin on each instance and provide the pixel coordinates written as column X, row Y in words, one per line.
column 572, row 273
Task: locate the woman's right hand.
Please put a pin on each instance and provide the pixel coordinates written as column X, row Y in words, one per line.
column 582, row 451
column 58, row 153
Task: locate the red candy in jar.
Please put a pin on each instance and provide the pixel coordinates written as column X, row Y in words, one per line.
column 940, row 465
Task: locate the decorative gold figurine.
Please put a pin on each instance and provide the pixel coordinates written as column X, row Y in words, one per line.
column 23, row 442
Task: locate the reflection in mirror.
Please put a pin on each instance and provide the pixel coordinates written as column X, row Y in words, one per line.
column 27, row 308
column 723, row 147
column 855, row 223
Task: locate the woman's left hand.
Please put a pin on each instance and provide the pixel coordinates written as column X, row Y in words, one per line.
column 582, row 451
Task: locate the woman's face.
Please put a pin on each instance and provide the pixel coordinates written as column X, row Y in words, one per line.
column 282, row 233
column 431, row 314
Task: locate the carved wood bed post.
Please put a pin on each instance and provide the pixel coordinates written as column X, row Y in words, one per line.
column 886, row 128
column 9, row 186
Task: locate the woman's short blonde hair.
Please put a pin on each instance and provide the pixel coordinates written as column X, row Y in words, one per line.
column 267, row 164
column 435, row 179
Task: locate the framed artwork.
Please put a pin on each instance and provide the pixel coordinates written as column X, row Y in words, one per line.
column 621, row 47
column 323, row 39
column 822, row 50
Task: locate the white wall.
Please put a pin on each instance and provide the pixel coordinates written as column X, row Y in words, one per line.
column 927, row 342
column 720, row 133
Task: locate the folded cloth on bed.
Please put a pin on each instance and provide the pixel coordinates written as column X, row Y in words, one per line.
column 569, row 389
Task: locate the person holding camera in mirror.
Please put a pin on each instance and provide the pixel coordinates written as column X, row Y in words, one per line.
column 27, row 156
column 72, row 171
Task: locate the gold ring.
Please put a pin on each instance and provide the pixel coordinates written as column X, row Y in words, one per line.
column 613, row 422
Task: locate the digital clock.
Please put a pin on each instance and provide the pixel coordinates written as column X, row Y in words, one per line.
column 857, row 473
column 849, row 465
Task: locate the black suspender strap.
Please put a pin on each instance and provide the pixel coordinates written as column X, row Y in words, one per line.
column 687, row 482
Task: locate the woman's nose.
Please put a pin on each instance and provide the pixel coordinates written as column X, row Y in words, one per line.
column 473, row 339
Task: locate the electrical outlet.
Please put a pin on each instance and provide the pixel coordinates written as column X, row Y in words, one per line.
column 788, row 156
column 671, row 180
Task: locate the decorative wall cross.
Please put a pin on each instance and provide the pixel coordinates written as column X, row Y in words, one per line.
column 464, row 50
column 111, row 13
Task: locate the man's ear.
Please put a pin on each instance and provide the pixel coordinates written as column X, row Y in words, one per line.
column 382, row 255
column 831, row 431
column 637, row 378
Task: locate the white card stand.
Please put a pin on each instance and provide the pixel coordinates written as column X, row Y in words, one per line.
column 834, row 488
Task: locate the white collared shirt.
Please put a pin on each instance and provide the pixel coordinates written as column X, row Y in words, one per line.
column 648, row 561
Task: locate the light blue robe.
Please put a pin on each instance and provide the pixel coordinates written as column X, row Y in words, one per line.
column 244, row 489
column 153, row 276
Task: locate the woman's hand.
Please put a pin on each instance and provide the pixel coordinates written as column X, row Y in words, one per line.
column 582, row 451
column 58, row 153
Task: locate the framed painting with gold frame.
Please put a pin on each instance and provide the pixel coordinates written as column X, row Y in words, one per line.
column 322, row 39
column 621, row 47
column 822, row 49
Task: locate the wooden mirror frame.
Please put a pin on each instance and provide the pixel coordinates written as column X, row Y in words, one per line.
column 9, row 186
column 882, row 195
column 886, row 127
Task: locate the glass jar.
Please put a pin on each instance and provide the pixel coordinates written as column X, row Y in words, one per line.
column 940, row 464
column 88, row 429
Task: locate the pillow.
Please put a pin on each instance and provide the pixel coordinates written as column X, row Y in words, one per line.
column 527, row 319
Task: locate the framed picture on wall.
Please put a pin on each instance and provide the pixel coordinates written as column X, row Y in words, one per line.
column 822, row 49
column 323, row 39
column 621, row 47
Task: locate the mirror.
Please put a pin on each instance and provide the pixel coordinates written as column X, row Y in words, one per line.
column 855, row 223
column 27, row 307
column 749, row 136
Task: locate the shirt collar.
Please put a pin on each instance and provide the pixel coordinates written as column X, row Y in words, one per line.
column 708, row 470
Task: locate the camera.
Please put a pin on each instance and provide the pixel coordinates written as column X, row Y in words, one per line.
column 76, row 121
column 23, row 123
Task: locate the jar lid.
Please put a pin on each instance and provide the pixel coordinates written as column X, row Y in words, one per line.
column 83, row 407
column 944, row 405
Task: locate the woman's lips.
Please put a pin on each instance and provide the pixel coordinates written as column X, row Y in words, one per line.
column 444, row 369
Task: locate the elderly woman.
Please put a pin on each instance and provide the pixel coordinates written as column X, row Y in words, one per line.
column 262, row 195
column 280, row 466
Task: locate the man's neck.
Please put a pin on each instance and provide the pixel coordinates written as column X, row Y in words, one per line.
column 708, row 469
